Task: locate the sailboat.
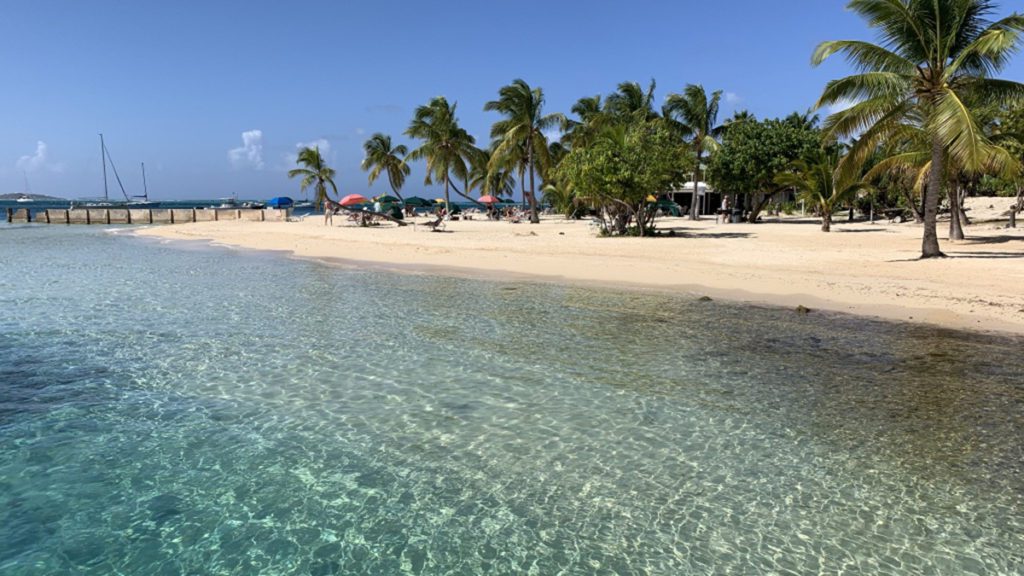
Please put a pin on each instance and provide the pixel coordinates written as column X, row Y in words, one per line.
column 25, row 196
column 129, row 201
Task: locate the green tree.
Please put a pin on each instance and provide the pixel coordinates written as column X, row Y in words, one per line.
column 382, row 157
column 315, row 174
column 817, row 182
column 753, row 153
column 697, row 115
column 518, row 139
column 447, row 148
column 934, row 57
column 622, row 166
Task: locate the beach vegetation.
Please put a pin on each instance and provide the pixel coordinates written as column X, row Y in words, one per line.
column 933, row 67
column 696, row 114
column 518, row 140
column 620, row 167
column 818, row 183
column 447, row 148
column 383, row 157
column 752, row 155
column 314, row 173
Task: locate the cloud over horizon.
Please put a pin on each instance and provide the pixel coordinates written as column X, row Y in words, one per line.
column 38, row 161
column 250, row 154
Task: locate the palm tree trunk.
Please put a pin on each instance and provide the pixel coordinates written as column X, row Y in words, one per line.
column 826, row 221
column 695, row 201
column 534, row 218
column 930, row 242
column 956, row 230
column 447, row 202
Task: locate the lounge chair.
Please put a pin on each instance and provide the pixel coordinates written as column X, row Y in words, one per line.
column 435, row 224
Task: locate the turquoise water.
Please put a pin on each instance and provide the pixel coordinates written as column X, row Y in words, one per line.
column 172, row 409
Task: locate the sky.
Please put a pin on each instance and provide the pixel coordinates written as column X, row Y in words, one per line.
column 216, row 96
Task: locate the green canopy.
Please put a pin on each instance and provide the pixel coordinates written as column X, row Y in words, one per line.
column 417, row 202
column 387, row 199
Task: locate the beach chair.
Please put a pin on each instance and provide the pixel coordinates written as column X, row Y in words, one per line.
column 439, row 223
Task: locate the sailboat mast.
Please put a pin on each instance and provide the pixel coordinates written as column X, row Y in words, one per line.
column 145, row 189
column 103, row 152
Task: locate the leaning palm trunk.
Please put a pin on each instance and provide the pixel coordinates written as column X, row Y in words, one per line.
column 930, row 243
column 826, row 219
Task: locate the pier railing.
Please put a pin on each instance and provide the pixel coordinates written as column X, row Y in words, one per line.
column 144, row 215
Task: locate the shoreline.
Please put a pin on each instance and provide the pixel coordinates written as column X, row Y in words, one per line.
column 785, row 264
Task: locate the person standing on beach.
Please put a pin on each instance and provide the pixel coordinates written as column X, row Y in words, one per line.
column 328, row 213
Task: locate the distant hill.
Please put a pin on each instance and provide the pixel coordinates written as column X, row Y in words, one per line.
column 16, row 195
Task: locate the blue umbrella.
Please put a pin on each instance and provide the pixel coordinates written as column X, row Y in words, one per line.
column 280, row 202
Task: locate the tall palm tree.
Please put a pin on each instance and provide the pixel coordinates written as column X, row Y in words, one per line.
column 631, row 101
column 934, row 56
column 446, row 146
column 315, row 173
column 592, row 117
column 382, row 157
column 519, row 137
column 698, row 116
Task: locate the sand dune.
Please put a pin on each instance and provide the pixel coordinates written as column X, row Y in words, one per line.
column 868, row 269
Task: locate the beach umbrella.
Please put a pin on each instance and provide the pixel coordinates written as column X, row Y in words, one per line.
column 488, row 199
column 439, row 200
column 353, row 199
column 651, row 198
column 280, row 202
column 387, row 199
column 417, row 202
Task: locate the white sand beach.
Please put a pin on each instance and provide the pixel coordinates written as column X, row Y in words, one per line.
column 862, row 268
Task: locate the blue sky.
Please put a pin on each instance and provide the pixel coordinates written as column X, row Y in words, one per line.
column 215, row 96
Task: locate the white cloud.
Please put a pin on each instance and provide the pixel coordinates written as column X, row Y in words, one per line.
column 289, row 160
column 38, row 161
column 250, row 154
column 360, row 131
column 732, row 98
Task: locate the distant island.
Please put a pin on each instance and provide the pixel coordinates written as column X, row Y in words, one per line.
column 17, row 195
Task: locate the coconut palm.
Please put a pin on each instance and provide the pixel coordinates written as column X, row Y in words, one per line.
column 446, row 146
column 382, row 157
column 592, row 117
column 934, row 56
column 816, row 180
column 315, row 174
column 496, row 182
column 630, row 101
column 519, row 138
column 697, row 115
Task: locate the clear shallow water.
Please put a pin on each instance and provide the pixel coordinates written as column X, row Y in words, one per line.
column 170, row 409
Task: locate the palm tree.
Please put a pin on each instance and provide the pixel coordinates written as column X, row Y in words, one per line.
column 934, row 56
column 592, row 117
column 496, row 182
column 815, row 179
column 698, row 116
column 519, row 137
column 446, row 146
column 630, row 101
column 315, row 173
column 381, row 157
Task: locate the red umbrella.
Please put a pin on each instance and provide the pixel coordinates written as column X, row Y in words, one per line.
column 353, row 199
column 488, row 199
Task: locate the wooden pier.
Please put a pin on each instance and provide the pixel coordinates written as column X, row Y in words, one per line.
column 145, row 215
